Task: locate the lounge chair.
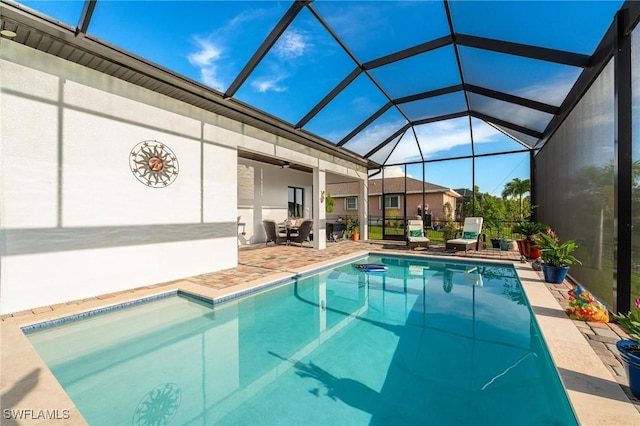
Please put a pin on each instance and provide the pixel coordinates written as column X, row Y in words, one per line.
column 415, row 234
column 273, row 236
column 471, row 236
column 303, row 233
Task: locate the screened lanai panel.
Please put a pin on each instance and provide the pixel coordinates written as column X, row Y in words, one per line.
column 541, row 81
column 64, row 11
column 575, row 184
column 553, row 24
column 487, row 139
column 382, row 154
column 376, row 132
column 293, row 77
column 527, row 140
column 445, row 139
column 492, row 173
column 436, row 106
column 452, row 174
column 357, row 102
column 215, row 41
column 514, row 114
column 372, row 29
column 407, row 151
column 421, row 73
column 635, row 203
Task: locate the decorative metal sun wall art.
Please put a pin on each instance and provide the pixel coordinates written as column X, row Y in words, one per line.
column 154, row 164
column 158, row 406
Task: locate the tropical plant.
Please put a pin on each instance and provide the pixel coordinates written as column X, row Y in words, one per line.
column 493, row 212
column 392, row 215
column 449, row 229
column 631, row 321
column 554, row 253
column 517, row 188
column 329, row 203
column 353, row 225
column 529, row 230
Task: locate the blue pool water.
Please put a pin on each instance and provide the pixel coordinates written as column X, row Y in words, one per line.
column 427, row 342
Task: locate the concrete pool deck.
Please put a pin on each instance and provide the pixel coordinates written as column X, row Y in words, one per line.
column 584, row 353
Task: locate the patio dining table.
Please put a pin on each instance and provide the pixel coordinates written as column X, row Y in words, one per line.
column 288, row 229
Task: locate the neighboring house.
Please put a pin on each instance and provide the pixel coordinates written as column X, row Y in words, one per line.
column 435, row 197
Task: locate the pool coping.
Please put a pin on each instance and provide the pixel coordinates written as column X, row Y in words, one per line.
column 593, row 392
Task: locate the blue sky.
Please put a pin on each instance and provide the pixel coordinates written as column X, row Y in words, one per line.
column 211, row 41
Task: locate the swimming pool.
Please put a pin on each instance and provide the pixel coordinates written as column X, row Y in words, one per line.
column 426, row 342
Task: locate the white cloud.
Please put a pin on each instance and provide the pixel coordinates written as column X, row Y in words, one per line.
column 206, row 58
column 552, row 91
column 264, row 85
column 292, row 44
column 443, row 135
column 371, row 137
column 208, row 55
column 484, row 133
column 210, row 77
column 434, row 138
column 393, row 171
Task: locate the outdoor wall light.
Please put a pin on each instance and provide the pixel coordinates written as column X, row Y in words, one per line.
column 8, row 33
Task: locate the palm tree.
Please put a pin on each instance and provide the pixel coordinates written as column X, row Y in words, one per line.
column 517, row 188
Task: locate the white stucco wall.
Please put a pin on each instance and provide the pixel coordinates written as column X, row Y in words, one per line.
column 74, row 220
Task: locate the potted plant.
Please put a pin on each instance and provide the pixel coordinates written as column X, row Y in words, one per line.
column 529, row 230
column 353, row 227
column 628, row 348
column 556, row 257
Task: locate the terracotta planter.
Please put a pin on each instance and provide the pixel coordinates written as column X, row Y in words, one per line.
column 355, row 236
column 526, row 249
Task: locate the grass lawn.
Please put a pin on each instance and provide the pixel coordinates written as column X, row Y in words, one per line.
column 375, row 233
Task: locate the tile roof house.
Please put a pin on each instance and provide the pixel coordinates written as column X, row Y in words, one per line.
column 435, row 196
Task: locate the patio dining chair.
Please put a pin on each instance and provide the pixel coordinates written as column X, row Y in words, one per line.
column 273, row 236
column 303, row 233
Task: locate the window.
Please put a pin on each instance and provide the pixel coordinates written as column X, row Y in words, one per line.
column 391, row 201
column 296, row 203
column 351, row 203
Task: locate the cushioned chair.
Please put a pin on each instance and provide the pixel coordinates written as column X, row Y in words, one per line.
column 303, row 233
column 471, row 236
column 335, row 231
column 273, row 236
column 415, row 234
